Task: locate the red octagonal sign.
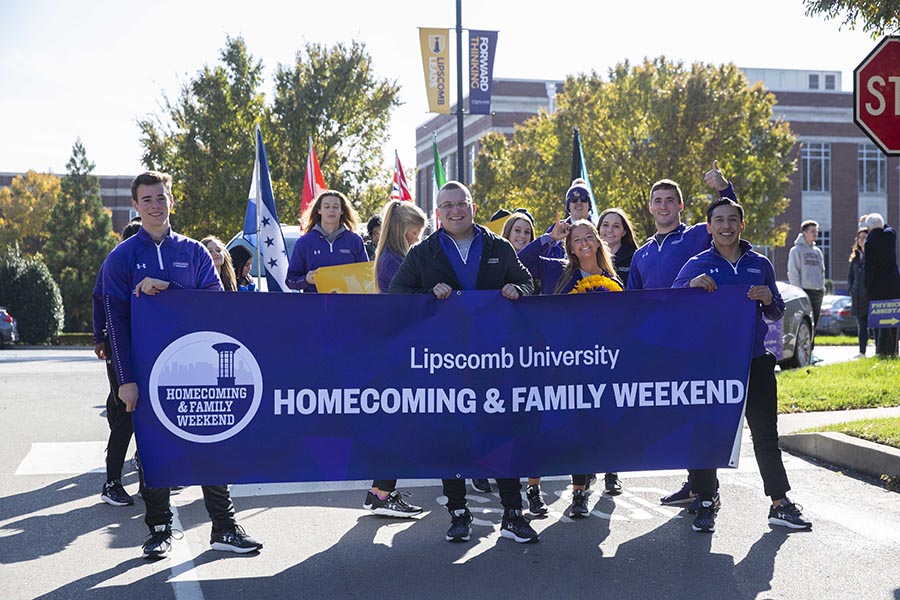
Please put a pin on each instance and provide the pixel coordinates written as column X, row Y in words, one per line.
column 876, row 95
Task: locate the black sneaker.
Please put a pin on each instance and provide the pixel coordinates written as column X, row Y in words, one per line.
column 579, row 508
column 158, row 543
column 682, row 496
column 460, row 525
column 394, row 506
column 788, row 514
column 591, row 480
column 234, row 539
column 517, row 528
column 482, row 485
column 370, row 497
column 536, row 505
column 613, row 484
column 115, row 495
column 705, row 521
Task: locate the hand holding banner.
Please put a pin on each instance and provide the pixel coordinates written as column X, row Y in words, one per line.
column 474, row 385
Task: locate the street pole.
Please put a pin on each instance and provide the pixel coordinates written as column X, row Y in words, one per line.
column 460, row 158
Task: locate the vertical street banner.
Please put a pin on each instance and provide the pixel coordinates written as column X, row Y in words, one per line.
column 408, row 386
column 436, row 65
column 482, row 47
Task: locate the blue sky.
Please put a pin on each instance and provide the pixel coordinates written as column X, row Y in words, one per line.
column 91, row 69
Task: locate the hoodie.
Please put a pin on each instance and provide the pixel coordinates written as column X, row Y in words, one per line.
column 806, row 265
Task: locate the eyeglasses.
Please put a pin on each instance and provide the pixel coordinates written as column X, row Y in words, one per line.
column 451, row 205
column 572, row 200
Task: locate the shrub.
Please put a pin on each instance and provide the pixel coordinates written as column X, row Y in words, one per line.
column 29, row 292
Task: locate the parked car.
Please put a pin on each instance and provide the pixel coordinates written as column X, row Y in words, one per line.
column 835, row 317
column 9, row 332
column 790, row 338
column 291, row 234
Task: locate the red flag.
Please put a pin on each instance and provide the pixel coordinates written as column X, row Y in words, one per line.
column 400, row 189
column 313, row 183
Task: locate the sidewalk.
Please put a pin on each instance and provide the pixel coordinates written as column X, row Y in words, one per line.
column 837, row 448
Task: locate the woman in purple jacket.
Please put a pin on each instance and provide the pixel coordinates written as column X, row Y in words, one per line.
column 402, row 224
column 329, row 239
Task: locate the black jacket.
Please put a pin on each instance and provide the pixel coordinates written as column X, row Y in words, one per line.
column 882, row 277
column 426, row 265
column 856, row 282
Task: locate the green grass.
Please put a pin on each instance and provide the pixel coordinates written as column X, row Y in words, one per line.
column 881, row 431
column 836, row 340
column 862, row 383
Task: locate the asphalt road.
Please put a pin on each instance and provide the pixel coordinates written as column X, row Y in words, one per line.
column 58, row 540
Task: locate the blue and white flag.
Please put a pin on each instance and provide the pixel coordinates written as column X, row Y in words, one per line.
column 272, row 251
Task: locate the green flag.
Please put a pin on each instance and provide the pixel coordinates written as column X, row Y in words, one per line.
column 439, row 178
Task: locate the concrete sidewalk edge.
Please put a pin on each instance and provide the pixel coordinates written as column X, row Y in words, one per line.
column 845, row 451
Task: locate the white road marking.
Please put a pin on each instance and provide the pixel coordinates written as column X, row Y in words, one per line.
column 64, row 458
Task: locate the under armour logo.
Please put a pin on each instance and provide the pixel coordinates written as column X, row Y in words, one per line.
column 716, row 270
column 317, row 252
column 141, row 266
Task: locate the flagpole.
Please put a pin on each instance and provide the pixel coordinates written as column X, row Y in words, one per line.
column 258, row 170
column 460, row 143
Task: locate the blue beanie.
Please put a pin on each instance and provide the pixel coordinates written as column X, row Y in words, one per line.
column 577, row 191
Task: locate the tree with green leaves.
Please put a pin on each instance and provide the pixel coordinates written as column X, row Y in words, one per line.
column 205, row 140
column 25, row 207
column 333, row 96
column 80, row 237
column 29, row 292
column 656, row 120
column 877, row 17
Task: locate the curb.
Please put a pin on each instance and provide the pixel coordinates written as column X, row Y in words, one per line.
column 845, row 451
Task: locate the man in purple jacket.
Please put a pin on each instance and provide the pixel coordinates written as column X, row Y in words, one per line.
column 730, row 261
column 657, row 262
column 153, row 260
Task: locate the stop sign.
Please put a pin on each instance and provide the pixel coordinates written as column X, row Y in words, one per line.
column 876, row 95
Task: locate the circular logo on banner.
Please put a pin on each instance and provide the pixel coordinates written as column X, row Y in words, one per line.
column 205, row 387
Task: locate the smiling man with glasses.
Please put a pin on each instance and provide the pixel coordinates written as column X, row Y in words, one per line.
column 464, row 256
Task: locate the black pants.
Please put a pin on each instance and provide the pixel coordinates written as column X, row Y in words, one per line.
column 862, row 330
column 217, row 499
column 385, row 485
column 815, row 298
column 120, row 426
column 510, row 493
column 762, row 417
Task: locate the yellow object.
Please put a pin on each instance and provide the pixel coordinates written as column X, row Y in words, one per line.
column 596, row 283
column 436, row 64
column 354, row 278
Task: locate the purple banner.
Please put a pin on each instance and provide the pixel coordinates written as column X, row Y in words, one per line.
column 482, row 47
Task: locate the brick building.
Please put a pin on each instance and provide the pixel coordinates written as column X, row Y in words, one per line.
column 115, row 190
column 840, row 173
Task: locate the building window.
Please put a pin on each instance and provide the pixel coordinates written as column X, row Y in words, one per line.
column 813, row 81
column 872, row 169
column 470, row 159
column 815, row 167
column 823, row 241
column 829, row 82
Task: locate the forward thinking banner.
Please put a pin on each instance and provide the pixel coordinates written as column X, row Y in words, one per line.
column 482, row 48
column 384, row 386
column 435, row 45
